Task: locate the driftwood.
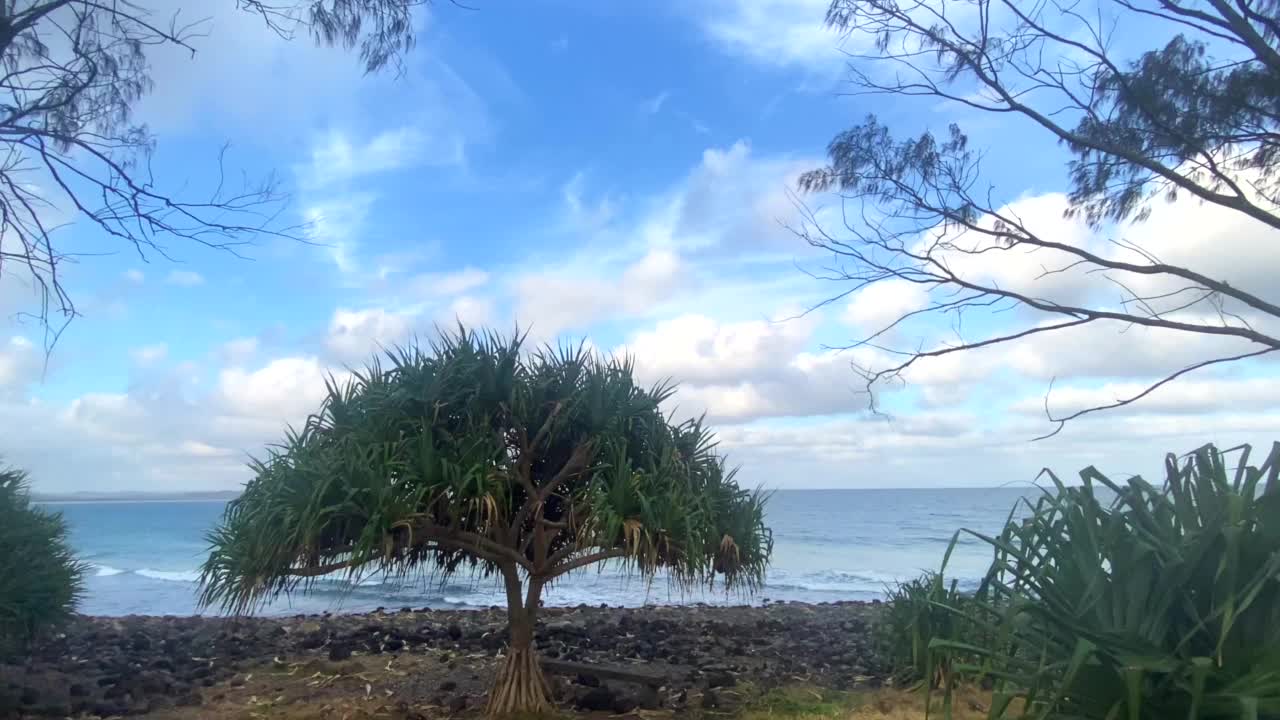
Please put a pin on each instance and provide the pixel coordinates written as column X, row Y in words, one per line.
column 635, row 674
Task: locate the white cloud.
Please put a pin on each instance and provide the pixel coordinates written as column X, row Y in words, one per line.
column 685, row 280
column 745, row 370
column 551, row 302
column 775, row 32
column 697, row 349
column 809, row 385
column 735, row 201
column 184, row 278
column 336, row 224
column 134, row 276
column 582, row 215
column 355, row 335
column 446, row 284
column 941, row 449
column 225, row 82
column 285, row 389
column 246, row 77
column 1114, row 349
column 1036, row 272
column 470, row 311
column 336, row 158
column 148, row 355
column 238, row 351
column 162, row 433
column 877, row 306
column 1188, row 397
column 653, row 105
column 715, row 240
column 20, row 365
column 1217, row 242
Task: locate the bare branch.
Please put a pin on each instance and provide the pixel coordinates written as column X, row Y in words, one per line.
column 71, row 73
column 1061, row 422
column 1196, row 118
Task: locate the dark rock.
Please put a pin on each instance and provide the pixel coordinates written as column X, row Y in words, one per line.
column 77, row 690
column 339, row 652
column 710, row 700
column 598, row 699
column 29, row 696
column 109, row 709
column 455, row 632
column 448, row 686
column 393, row 644
column 721, row 679
column 152, row 681
column 648, row 698
column 588, row 680
column 312, row 641
column 457, row 703
column 624, row 704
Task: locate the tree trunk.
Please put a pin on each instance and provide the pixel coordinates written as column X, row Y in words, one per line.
column 520, row 687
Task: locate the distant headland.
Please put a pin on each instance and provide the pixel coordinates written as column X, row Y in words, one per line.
column 135, row 496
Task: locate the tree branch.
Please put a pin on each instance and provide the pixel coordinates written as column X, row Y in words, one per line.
column 566, row 567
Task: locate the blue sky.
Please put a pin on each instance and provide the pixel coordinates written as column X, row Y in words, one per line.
column 616, row 171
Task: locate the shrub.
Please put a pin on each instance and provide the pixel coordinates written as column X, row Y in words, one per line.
column 1152, row 603
column 917, row 612
column 40, row 579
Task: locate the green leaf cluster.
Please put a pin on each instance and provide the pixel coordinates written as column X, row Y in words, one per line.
column 40, row 577
column 477, row 453
column 1131, row 601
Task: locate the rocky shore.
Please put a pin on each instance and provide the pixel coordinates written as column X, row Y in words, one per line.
column 424, row 663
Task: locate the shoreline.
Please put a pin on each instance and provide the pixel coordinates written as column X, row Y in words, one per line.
column 188, row 666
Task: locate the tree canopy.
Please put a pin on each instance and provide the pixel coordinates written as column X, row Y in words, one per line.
column 71, row 74
column 477, row 454
column 1194, row 113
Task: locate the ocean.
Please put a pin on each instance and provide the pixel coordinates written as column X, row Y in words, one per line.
column 828, row 545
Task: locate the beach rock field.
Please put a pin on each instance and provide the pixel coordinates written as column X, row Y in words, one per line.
column 405, row 663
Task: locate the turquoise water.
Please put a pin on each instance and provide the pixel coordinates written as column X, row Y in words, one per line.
column 829, row 545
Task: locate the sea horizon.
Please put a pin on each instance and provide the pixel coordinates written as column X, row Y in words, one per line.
column 46, row 498
column 829, row 545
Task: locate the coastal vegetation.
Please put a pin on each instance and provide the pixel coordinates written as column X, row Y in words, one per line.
column 477, row 455
column 75, row 71
column 40, row 577
column 1154, row 102
column 1116, row 600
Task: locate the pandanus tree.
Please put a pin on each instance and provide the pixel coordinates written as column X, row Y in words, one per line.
column 477, row 454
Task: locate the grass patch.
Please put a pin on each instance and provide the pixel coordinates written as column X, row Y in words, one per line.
column 812, row 703
column 801, row 702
